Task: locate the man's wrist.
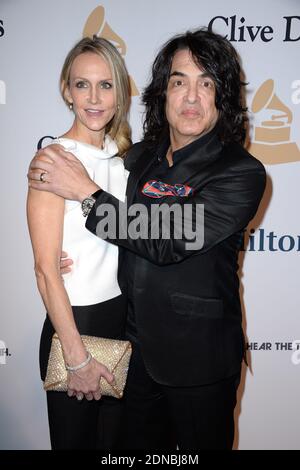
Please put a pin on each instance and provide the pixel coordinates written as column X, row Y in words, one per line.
column 88, row 203
column 87, row 192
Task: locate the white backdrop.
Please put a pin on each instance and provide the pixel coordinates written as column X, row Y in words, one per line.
column 35, row 36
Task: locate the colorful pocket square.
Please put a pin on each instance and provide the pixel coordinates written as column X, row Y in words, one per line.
column 156, row 189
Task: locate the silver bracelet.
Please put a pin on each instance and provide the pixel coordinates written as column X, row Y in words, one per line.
column 80, row 366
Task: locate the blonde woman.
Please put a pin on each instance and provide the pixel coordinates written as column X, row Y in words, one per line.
column 88, row 300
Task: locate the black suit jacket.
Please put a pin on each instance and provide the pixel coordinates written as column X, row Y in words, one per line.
column 187, row 304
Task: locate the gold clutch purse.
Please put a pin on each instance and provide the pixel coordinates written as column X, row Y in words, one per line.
column 114, row 354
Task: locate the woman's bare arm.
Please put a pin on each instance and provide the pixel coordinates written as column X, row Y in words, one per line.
column 45, row 213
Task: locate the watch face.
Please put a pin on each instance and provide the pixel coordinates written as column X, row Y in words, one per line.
column 88, row 201
column 87, row 204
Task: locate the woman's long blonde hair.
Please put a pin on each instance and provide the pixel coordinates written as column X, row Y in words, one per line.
column 118, row 128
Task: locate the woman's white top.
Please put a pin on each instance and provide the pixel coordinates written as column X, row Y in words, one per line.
column 93, row 278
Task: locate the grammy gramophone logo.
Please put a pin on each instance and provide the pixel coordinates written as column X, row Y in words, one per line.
column 271, row 141
column 96, row 24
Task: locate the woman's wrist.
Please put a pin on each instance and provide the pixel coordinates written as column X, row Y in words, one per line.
column 74, row 350
column 74, row 368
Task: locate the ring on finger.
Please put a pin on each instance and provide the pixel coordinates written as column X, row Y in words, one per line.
column 42, row 176
column 79, row 396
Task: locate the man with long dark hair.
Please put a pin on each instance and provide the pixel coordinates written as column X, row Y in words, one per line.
column 184, row 312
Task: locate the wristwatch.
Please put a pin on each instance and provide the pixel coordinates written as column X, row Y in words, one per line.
column 88, row 203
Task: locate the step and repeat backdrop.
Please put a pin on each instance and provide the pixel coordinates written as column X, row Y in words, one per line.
column 35, row 36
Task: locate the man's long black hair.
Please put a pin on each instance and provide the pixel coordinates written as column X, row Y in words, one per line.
column 219, row 59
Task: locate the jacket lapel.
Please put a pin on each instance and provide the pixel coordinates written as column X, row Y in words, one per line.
column 195, row 159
